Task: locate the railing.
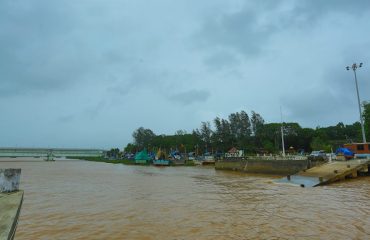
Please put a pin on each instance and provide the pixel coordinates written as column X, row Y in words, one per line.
column 264, row 158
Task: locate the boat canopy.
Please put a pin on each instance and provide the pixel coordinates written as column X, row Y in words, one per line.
column 143, row 155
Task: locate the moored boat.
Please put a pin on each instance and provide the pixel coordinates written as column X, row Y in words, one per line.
column 161, row 159
column 161, row 162
column 176, row 158
column 142, row 158
column 208, row 159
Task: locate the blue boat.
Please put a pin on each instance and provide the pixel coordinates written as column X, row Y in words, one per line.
column 176, row 158
column 161, row 162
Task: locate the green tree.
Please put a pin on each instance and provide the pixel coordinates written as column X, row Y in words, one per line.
column 240, row 128
column 130, row 148
column 245, row 125
column 143, row 137
column 206, row 134
column 269, row 133
column 217, row 137
column 366, row 116
column 320, row 144
column 113, row 153
column 256, row 123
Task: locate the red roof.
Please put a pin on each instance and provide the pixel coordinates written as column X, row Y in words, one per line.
column 233, row 150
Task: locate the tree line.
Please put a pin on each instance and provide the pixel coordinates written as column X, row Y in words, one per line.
column 252, row 134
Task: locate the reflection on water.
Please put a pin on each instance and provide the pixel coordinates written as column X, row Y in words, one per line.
column 89, row 200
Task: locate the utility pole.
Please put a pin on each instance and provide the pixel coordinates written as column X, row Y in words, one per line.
column 282, row 132
column 354, row 68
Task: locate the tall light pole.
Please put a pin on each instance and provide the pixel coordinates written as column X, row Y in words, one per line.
column 354, row 68
column 282, row 132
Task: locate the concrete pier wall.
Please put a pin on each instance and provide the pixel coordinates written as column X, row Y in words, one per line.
column 10, row 202
column 279, row 167
column 10, row 208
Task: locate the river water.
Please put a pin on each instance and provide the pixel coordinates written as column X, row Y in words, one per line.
column 89, row 200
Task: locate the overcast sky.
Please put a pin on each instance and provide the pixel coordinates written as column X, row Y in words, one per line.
column 87, row 73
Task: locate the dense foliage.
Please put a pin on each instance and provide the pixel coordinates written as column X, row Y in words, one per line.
column 251, row 134
column 366, row 116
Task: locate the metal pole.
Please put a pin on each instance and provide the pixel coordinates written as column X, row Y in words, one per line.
column 282, row 132
column 359, row 108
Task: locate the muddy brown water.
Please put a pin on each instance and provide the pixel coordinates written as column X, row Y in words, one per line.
column 88, row 200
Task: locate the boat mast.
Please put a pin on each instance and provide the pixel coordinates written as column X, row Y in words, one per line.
column 282, row 132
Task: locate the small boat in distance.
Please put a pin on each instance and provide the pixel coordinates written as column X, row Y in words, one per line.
column 208, row 159
column 161, row 162
column 176, row 158
column 160, row 159
column 142, row 158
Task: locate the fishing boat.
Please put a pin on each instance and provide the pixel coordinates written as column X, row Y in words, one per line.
column 208, row 159
column 160, row 159
column 161, row 162
column 194, row 160
column 176, row 158
column 142, row 158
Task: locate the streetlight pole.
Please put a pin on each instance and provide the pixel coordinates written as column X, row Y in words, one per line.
column 282, row 132
column 354, row 68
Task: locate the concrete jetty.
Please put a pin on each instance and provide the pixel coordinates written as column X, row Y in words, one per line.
column 328, row 173
column 11, row 199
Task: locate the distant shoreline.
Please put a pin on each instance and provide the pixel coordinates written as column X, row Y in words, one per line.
column 101, row 159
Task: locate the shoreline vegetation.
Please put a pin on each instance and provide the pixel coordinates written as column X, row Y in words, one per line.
column 249, row 132
column 123, row 161
column 105, row 160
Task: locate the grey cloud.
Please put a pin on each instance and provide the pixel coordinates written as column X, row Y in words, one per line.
column 315, row 108
column 99, row 69
column 31, row 39
column 249, row 30
column 95, row 109
column 136, row 79
column 316, row 9
column 48, row 46
column 222, row 59
column 234, row 32
column 190, row 96
column 66, row 118
column 334, row 100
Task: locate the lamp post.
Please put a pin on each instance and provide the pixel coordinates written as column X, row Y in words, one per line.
column 282, row 132
column 354, row 68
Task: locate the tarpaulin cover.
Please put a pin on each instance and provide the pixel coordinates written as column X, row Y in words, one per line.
column 345, row 152
column 143, row 155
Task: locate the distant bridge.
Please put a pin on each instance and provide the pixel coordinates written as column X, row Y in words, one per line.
column 56, row 152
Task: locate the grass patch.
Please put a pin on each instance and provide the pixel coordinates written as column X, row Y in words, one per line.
column 189, row 163
column 123, row 161
column 101, row 159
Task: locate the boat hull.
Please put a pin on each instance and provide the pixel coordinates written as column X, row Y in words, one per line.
column 161, row 162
